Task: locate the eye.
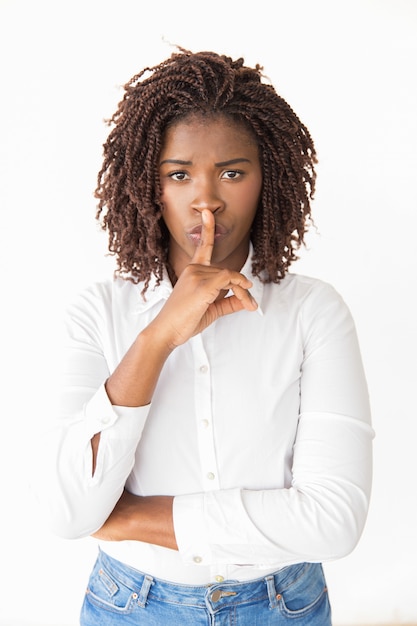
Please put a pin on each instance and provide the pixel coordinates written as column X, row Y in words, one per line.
column 179, row 175
column 232, row 174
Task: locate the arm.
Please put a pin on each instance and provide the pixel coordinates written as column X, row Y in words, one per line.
column 91, row 452
column 194, row 304
column 141, row 519
column 321, row 514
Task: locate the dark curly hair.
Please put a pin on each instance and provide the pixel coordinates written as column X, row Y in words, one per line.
column 128, row 186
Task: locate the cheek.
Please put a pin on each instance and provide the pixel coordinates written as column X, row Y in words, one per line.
column 252, row 190
column 168, row 207
column 172, row 223
column 249, row 200
column 172, row 200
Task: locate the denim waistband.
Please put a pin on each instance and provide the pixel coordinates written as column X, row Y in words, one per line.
column 212, row 596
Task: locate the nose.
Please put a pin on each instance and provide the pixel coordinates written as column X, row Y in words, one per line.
column 206, row 196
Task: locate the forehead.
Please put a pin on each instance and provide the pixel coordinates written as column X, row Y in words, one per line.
column 213, row 127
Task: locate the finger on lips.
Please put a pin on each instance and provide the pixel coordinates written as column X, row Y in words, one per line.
column 204, row 250
column 239, row 285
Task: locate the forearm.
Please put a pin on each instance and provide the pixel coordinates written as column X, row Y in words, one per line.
column 318, row 517
column 132, row 384
column 136, row 518
column 133, row 381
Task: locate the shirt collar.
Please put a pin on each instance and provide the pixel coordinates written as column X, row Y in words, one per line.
column 156, row 293
column 257, row 288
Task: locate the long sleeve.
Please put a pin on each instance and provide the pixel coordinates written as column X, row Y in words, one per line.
column 259, row 427
column 76, row 502
column 321, row 513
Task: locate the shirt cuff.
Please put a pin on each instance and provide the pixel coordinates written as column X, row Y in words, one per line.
column 101, row 415
column 213, row 527
column 190, row 529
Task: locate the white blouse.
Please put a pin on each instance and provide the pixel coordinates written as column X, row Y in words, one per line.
column 260, row 427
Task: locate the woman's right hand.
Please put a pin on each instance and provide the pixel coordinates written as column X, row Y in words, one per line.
column 197, row 299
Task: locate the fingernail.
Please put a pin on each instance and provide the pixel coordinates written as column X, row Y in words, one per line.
column 258, row 308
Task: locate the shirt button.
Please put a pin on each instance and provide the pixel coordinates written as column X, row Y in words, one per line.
column 197, row 559
column 210, row 476
column 205, row 423
column 204, row 369
column 105, row 419
column 219, row 579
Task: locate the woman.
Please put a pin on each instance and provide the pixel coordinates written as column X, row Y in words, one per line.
column 214, row 432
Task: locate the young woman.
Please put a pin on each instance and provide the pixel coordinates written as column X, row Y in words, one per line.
column 214, row 432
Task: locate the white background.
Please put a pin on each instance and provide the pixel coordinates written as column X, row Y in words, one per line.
column 349, row 70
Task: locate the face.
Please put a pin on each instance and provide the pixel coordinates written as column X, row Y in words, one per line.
column 209, row 164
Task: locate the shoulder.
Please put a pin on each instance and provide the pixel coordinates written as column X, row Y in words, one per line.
column 320, row 305
column 299, row 290
column 102, row 297
column 308, row 299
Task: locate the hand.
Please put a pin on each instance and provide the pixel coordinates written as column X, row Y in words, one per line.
column 196, row 300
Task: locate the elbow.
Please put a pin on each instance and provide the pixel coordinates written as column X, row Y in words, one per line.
column 342, row 524
column 70, row 529
column 66, row 523
column 339, row 542
column 73, row 517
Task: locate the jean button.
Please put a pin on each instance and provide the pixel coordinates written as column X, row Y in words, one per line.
column 216, row 595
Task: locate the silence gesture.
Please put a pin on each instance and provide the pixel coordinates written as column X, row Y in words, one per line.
column 198, row 296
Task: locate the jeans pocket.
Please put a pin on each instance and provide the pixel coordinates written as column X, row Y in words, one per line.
column 107, row 592
column 305, row 594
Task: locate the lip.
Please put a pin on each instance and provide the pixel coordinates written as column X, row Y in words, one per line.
column 194, row 234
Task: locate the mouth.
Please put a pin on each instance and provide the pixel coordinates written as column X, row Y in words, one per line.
column 194, row 234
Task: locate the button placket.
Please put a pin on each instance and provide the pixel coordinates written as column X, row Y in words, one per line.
column 218, row 574
column 204, row 417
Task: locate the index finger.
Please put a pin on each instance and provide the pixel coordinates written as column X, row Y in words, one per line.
column 204, row 249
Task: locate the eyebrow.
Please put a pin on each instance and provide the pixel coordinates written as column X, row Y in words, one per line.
column 232, row 162
column 220, row 164
column 176, row 162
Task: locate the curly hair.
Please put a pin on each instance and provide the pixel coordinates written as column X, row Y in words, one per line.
column 128, row 185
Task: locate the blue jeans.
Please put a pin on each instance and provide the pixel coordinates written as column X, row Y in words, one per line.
column 118, row 594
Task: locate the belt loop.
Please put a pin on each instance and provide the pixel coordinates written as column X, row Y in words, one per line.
column 144, row 591
column 272, row 594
